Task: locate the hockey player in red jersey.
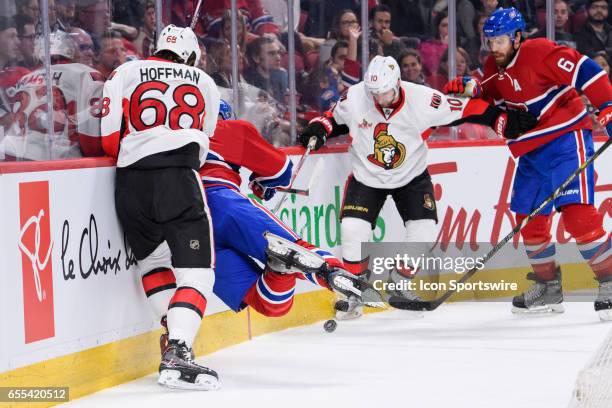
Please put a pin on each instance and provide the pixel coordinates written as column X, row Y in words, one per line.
column 240, row 224
column 158, row 115
column 543, row 78
column 389, row 121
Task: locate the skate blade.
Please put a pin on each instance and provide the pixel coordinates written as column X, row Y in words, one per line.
column 539, row 310
column 203, row 382
column 605, row 315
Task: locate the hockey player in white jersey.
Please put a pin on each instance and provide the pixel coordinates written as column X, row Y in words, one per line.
column 158, row 115
column 77, row 92
column 389, row 121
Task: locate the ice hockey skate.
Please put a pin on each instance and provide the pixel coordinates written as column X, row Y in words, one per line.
column 543, row 297
column 287, row 257
column 603, row 303
column 179, row 370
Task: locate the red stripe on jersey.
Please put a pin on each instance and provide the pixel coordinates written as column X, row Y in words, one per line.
column 425, row 135
column 190, row 298
column 220, row 171
column 157, row 280
column 90, row 145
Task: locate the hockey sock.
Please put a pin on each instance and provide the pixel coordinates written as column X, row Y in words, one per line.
column 585, row 224
column 538, row 246
column 272, row 294
column 159, row 285
column 188, row 304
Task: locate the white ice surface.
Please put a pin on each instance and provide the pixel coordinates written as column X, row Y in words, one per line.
column 468, row 355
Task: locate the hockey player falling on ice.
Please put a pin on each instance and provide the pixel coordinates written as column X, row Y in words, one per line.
column 240, row 225
column 389, row 121
column 543, row 78
column 158, row 115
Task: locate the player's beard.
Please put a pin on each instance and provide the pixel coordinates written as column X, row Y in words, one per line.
column 503, row 61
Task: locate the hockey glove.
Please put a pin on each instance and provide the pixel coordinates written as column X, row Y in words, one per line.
column 605, row 118
column 464, row 86
column 320, row 127
column 262, row 192
column 512, row 124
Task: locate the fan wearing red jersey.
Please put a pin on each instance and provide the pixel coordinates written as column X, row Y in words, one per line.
column 543, row 78
column 389, row 121
column 158, row 115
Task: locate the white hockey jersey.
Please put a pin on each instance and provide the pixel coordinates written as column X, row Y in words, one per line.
column 153, row 105
column 388, row 148
column 77, row 92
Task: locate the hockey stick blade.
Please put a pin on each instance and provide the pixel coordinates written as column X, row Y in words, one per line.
column 405, row 304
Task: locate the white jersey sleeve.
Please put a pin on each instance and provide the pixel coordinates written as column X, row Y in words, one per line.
column 152, row 106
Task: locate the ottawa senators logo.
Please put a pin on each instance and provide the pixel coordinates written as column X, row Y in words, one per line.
column 388, row 152
column 428, row 202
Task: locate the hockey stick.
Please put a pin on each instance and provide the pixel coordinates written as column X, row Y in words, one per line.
column 404, row 304
column 311, row 145
column 294, row 191
column 316, row 173
column 196, row 14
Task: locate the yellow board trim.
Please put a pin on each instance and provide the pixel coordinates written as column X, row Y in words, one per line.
column 94, row 369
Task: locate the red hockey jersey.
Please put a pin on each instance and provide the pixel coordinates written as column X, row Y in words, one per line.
column 543, row 78
column 237, row 143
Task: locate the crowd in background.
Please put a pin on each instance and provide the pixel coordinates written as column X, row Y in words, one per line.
column 327, row 34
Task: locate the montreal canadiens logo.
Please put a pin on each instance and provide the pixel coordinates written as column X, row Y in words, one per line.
column 388, row 152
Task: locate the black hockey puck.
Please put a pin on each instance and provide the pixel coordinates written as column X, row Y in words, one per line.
column 330, row 325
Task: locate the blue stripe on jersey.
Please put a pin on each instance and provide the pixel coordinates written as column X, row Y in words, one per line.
column 535, row 108
column 269, row 295
column 265, row 19
column 587, row 70
column 282, row 179
column 547, row 252
column 605, row 105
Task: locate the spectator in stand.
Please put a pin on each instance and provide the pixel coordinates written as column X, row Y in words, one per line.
column 127, row 12
column 466, row 13
column 341, row 25
column 9, row 42
column 26, row 31
column 595, row 34
column 410, row 17
column 145, row 41
column 203, row 63
column 322, row 89
column 265, row 72
column 29, row 8
column 476, row 45
column 112, row 53
column 411, row 67
column 380, row 29
column 94, row 17
column 209, row 23
column 244, row 36
column 432, row 50
column 488, row 6
column 561, row 18
column 65, row 14
column 601, row 58
column 219, row 64
column 462, row 61
column 84, row 46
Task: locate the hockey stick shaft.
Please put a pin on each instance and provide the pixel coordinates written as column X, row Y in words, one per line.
column 294, row 191
column 196, row 15
column 431, row 305
column 311, row 145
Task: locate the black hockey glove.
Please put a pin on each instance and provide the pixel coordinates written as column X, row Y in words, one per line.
column 511, row 124
column 319, row 127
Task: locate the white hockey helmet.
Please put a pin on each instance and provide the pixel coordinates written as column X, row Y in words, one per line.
column 383, row 74
column 182, row 41
column 60, row 45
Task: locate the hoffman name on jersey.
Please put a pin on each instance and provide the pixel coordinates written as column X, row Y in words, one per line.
column 154, row 73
